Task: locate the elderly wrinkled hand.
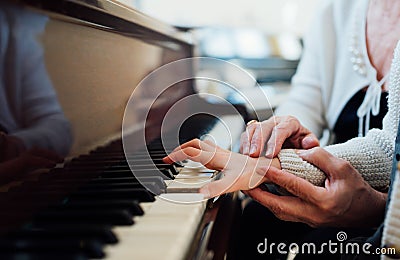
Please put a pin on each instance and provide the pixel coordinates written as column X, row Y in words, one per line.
column 345, row 200
column 240, row 172
column 274, row 134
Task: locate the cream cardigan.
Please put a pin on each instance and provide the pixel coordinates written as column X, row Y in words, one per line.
column 371, row 155
column 325, row 79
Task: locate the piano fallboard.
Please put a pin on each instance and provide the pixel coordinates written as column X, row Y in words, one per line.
column 94, row 55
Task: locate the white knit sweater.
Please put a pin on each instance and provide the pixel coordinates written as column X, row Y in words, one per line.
column 371, row 155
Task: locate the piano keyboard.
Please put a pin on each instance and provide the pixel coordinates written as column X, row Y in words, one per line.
column 94, row 208
column 165, row 231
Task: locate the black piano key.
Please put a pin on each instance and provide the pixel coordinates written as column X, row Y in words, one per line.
column 100, row 163
column 44, row 187
column 112, row 158
column 88, row 186
column 171, row 167
column 158, row 180
column 87, row 167
column 157, row 145
column 145, row 161
column 168, row 170
column 73, row 174
column 177, row 164
column 165, row 174
column 144, row 156
column 139, row 194
column 43, row 256
column 138, row 172
column 157, row 161
column 153, row 159
column 153, row 187
column 99, row 180
column 109, row 217
column 100, row 186
column 103, row 194
column 116, row 173
column 91, row 248
column 88, row 232
column 132, row 207
column 101, row 152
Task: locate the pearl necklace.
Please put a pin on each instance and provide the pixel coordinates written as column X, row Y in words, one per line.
column 356, row 56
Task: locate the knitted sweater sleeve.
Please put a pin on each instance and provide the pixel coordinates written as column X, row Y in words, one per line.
column 370, row 155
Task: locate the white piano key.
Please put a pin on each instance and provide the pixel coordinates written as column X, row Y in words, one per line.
column 164, row 232
column 193, row 165
column 190, row 185
column 187, row 172
column 191, row 197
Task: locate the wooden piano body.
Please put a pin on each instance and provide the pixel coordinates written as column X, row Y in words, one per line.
column 96, row 53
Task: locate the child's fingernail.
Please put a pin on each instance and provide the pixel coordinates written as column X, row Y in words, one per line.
column 268, row 153
column 253, row 149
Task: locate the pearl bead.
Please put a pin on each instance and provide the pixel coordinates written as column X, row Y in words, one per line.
column 356, row 56
column 362, row 71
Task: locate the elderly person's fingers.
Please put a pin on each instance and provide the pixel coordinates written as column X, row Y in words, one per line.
column 254, row 138
column 345, row 200
column 274, row 134
column 243, row 142
column 294, row 184
column 309, row 141
column 260, row 135
column 289, row 132
column 287, row 208
column 247, row 136
column 332, row 166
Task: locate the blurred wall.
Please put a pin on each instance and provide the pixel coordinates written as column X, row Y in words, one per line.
column 270, row 16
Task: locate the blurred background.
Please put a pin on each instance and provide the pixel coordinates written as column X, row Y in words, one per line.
column 264, row 37
column 268, row 16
